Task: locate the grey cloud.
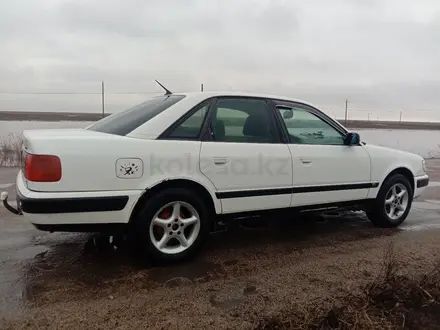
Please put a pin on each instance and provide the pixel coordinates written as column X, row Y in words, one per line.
column 379, row 54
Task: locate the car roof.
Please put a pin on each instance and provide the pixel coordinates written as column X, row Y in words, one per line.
column 208, row 94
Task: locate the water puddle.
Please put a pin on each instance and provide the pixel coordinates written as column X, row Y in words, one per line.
column 29, row 252
column 10, row 242
column 197, row 270
column 226, row 304
column 422, row 226
column 433, row 201
column 427, row 205
column 424, row 215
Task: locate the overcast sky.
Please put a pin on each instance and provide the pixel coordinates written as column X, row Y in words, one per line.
column 380, row 54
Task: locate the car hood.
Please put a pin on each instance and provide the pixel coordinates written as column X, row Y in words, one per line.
column 380, row 156
column 375, row 149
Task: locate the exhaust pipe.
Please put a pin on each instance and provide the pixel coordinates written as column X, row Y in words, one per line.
column 4, row 198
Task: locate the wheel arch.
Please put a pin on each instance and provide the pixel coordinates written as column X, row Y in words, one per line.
column 405, row 171
column 210, row 200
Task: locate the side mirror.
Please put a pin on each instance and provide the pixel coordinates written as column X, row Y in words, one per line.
column 352, row 139
column 288, row 114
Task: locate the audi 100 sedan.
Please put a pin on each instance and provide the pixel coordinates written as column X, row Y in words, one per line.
column 166, row 170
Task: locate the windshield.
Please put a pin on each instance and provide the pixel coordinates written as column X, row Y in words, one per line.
column 122, row 123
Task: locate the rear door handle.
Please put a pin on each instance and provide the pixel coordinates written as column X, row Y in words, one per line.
column 220, row 161
column 305, row 161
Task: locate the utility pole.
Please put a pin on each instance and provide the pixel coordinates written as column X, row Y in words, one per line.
column 201, row 87
column 346, row 111
column 400, row 120
column 102, row 98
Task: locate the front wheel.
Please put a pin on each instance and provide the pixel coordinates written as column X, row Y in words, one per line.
column 392, row 203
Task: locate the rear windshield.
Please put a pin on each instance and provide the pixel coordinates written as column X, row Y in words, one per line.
column 122, row 123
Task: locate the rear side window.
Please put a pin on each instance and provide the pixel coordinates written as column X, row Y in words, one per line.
column 124, row 122
column 190, row 128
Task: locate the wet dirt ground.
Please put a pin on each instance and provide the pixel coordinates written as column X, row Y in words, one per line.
column 75, row 281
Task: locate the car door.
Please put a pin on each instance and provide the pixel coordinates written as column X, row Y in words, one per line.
column 244, row 157
column 325, row 169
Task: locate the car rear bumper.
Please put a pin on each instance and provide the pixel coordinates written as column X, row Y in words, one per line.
column 420, row 184
column 65, row 211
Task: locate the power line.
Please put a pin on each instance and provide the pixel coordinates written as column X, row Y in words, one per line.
column 47, row 93
column 75, row 93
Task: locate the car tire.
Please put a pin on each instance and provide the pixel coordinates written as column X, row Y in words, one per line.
column 158, row 207
column 381, row 212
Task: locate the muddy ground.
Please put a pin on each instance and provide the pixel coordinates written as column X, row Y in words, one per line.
column 244, row 279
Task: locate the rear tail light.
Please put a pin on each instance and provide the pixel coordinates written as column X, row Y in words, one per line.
column 42, row 168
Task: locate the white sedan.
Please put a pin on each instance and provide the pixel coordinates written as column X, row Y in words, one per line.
column 167, row 169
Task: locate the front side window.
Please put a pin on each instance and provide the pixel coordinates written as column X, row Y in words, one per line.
column 124, row 122
column 242, row 120
column 306, row 128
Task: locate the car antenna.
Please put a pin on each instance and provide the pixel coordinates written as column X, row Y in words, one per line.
column 167, row 91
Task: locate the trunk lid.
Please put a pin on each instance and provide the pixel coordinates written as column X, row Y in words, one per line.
column 82, row 153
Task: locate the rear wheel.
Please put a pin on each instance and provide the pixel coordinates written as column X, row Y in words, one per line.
column 392, row 203
column 173, row 225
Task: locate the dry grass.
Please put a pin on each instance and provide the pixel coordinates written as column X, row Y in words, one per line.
column 10, row 149
column 393, row 300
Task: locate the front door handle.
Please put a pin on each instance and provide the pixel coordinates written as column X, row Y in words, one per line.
column 220, row 161
column 305, row 161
